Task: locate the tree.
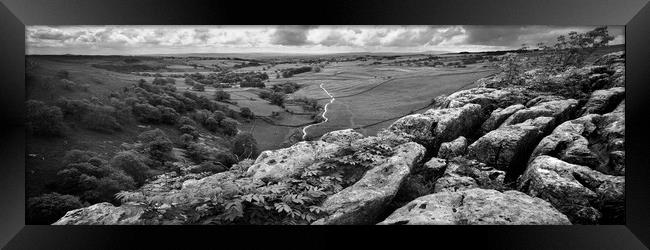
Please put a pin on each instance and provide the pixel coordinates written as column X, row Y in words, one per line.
column 48, row 208
column 198, row 87
column 44, row 120
column 221, row 95
column 229, row 126
column 277, row 98
column 246, row 113
column 245, row 146
column 132, row 165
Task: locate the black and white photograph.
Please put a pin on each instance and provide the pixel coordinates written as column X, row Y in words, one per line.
column 325, row 125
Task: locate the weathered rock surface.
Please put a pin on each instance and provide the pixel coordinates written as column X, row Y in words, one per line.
column 561, row 110
column 603, row 101
column 103, row 214
column 434, row 168
column 364, row 200
column 543, row 98
column 341, row 137
column 461, row 174
column 596, row 141
column 438, row 125
column 286, row 162
column 453, row 148
column 577, row 191
column 477, row 207
column 488, row 98
column 498, row 116
column 507, row 148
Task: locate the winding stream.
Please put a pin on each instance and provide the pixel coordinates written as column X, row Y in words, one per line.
column 304, row 130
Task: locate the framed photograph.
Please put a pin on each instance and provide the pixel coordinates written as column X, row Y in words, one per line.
column 481, row 124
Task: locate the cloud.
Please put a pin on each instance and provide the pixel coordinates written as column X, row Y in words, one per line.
column 302, row 39
column 290, row 36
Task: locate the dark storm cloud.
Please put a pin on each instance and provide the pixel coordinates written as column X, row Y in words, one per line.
column 290, row 35
column 513, row 36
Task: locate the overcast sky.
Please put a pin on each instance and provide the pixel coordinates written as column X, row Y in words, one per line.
column 134, row 40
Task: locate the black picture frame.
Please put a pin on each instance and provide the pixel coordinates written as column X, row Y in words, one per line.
column 16, row 14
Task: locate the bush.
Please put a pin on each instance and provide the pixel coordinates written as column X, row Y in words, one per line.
column 221, row 95
column 101, row 118
column 246, row 113
column 186, row 139
column 229, row 126
column 157, row 145
column 198, row 87
column 211, row 124
column 77, row 156
column 245, row 146
column 147, row 113
column 132, row 165
column 188, row 129
column 201, row 115
column 264, row 94
column 208, row 166
column 163, row 81
column 48, row 208
column 168, row 115
column 277, row 98
column 44, row 120
column 219, row 116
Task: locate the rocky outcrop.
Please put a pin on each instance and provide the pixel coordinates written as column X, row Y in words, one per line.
column 596, row 141
column 461, row 174
column 436, row 126
column 543, row 98
column 561, row 110
column 434, row 168
column 341, row 137
column 364, row 200
column 498, row 116
column 583, row 194
column 507, row 148
column 603, row 101
column 489, row 98
column 286, row 162
column 477, row 207
column 453, row 148
column 103, row 214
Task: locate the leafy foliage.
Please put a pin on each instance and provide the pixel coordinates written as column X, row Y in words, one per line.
column 44, row 120
column 48, row 208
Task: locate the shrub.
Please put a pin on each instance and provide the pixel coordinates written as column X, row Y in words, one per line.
column 229, row 126
column 168, row 115
column 277, row 98
column 221, row 95
column 246, row 113
column 201, row 115
column 132, row 165
column 184, row 120
column 186, row 139
column 100, row 118
column 245, row 146
column 198, row 87
column 44, row 120
column 163, row 81
column 208, row 166
column 264, row 94
column 218, row 116
column 67, row 84
column 211, row 124
column 157, row 144
column 77, row 156
column 147, row 113
column 48, row 208
column 188, row 129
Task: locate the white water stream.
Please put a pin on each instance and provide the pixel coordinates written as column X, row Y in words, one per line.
column 304, row 130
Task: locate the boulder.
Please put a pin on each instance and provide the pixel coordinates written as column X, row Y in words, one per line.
column 436, row 126
column 434, row 168
column 611, row 58
column 577, row 191
column 561, row 110
column 507, row 148
column 488, row 98
column 103, row 214
column 341, row 137
column 603, row 101
column 543, row 98
column 362, row 202
column 477, row 207
column 595, row 141
column 287, row 162
column 462, row 173
column 453, row 148
column 498, row 116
